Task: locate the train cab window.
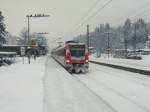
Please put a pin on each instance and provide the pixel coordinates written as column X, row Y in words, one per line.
column 77, row 51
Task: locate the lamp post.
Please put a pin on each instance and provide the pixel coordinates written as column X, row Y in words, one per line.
column 33, row 16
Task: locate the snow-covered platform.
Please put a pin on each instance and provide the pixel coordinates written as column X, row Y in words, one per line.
column 21, row 86
column 143, row 65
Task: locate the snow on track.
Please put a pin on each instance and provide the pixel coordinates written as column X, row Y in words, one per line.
column 133, row 77
column 124, row 91
column 63, row 93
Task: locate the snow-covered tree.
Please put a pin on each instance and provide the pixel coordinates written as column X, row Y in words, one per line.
column 10, row 39
column 2, row 29
column 120, row 37
column 23, row 37
column 127, row 30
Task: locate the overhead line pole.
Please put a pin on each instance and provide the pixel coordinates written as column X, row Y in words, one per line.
column 125, row 45
column 28, row 17
column 28, row 30
column 135, row 28
column 108, row 42
column 88, row 37
column 34, row 16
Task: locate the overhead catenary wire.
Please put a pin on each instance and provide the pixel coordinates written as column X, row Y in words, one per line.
column 133, row 15
column 93, row 15
column 86, row 14
column 90, row 9
column 143, row 16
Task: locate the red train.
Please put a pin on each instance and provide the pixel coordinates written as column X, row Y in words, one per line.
column 73, row 56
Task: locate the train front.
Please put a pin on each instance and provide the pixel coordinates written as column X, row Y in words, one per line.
column 77, row 57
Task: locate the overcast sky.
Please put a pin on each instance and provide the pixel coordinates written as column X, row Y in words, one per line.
column 67, row 14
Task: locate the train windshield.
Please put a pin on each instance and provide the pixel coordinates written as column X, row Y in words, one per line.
column 77, row 50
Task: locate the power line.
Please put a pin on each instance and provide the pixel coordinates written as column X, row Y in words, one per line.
column 143, row 15
column 90, row 9
column 90, row 17
column 87, row 13
column 134, row 13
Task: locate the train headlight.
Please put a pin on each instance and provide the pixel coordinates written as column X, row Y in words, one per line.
column 67, row 61
column 86, row 61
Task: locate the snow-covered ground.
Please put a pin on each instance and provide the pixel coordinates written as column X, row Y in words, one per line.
column 143, row 64
column 21, row 87
column 124, row 91
column 44, row 86
column 63, row 93
column 102, row 89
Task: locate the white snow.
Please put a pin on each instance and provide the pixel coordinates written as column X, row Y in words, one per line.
column 47, row 87
column 143, row 64
column 124, row 91
column 21, row 88
column 63, row 93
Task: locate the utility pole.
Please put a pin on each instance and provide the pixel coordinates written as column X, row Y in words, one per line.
column 28, row 17
column 33, row 16
column 135, row 28
column 88, row 37
column 125, row 44
column 28, row 29
column 108, row 43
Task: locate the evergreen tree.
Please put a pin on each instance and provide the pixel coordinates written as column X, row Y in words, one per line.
column 127, row 29
column 2, row 29
column 102, row 28
column 141, row 31
column 23, row 37
column 125, row 36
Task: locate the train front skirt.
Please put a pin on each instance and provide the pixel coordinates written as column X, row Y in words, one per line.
column 77, row 68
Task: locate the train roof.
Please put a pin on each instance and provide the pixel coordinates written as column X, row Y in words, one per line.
column 67, row 43
column 71, row 41
column 75, row 43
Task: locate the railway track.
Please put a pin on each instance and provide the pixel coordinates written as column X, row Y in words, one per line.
column 90, row 90
column 81, row 78
column 102, row 87
column 129, row 76
column 93, row 92
column 85, row 79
